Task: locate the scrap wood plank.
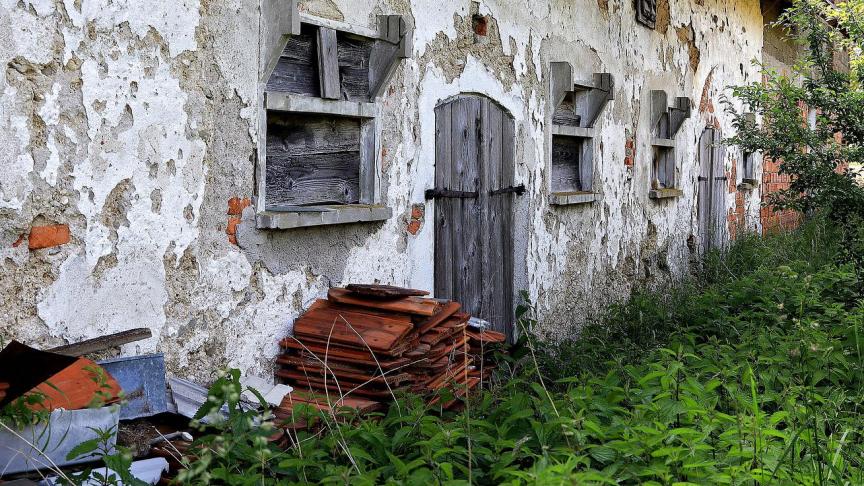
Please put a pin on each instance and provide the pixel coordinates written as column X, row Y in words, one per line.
column 102, row 343
column 354, row 328
column 404, row 305
column 447, row 311
column 384, row 291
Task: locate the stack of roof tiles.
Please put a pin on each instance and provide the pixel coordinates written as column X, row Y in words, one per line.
column 365, row 342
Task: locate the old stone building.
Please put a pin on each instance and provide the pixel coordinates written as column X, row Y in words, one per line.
column 208, row 168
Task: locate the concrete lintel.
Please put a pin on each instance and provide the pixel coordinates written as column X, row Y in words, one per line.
column 306, row 104
column 572, row 198
column 322, row 216
column 665, row 193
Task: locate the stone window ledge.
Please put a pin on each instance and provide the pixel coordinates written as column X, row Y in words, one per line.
column 572, row 198
column 303, row 217
column 665, row 193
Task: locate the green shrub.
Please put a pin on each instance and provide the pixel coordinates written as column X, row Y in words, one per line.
column 754, row 377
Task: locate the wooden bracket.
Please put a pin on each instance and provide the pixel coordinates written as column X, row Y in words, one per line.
column 667, row 120
column 393, row 44
column 279, row 20
column 589, row 97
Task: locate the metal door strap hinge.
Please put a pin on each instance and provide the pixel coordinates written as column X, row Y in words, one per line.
column 518, row 190
column 702, row 178
column 721, row 178
column 439, row 193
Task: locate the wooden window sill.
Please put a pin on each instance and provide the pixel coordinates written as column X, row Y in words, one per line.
column 665, row 193
column 303, row 217
column 277, row 101
column 571, row 198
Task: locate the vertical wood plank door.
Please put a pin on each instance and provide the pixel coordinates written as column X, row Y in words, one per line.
column 712, row 191
column 474, row 152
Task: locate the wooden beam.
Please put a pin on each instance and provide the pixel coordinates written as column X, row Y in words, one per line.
column 103, row 342
column 328, row 64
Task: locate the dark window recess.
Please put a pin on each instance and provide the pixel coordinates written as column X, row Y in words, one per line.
column 297, row 68
column 312, row 160
column 567, row 160
column 749, row 161
column 663, row 169
column 565, row 113
column 298, row 72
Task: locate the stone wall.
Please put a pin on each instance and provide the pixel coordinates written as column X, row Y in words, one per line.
column 133, row 125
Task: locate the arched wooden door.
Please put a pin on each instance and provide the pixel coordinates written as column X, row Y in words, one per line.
column 474, row 144
column 712, row 190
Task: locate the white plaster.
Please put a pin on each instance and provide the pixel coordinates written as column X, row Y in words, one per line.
column 434, row 18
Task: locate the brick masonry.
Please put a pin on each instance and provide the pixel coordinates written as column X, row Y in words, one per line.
column 773, row 181
column 418, row 213
column 236, row 206
column 48, row 236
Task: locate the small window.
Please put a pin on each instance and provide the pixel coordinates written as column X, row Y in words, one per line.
column 317, row 161
column 568, row 163
column 666, row 121
column 576, row 106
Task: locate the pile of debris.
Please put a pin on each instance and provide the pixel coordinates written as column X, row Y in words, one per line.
column 364, row 343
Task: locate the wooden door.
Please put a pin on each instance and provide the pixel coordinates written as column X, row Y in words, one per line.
column 474, row 143
column 712, row 190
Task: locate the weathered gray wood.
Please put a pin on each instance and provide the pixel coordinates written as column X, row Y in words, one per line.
column 566, row 171
column 279, row 19
column 443, row 207
column 102, row 343
column 507, row 210
column 659, row 111
column 368, row 167
column 712, row 191
column 586, row 165
column 305, row 104
column 328, row 63
column 663, row 174
column 312, row 160
column 719, row 189
column 560, row 82
column 471, row 254
column 591, row 99
column 354, row 59
column 297, row 68
column 677, row 115
column 395, row 43
column 565, row 113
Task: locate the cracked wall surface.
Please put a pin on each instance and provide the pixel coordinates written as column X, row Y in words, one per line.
column 135, row 124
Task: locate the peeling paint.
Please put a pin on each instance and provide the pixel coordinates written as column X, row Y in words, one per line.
column 135, row 123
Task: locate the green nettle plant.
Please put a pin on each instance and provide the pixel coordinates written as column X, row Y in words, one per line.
column 812, row 121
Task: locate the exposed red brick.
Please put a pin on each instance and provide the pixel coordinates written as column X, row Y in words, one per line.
column 417, row 211
column 232, row 239
column 414, row 227
column 480, row 24
column 236, row 205
column 48, row 236
column 19, row 240
column 231, row 229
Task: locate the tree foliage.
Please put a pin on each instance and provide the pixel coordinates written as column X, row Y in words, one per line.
column 812, row 121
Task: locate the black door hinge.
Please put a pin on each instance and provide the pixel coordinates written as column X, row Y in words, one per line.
column 442, row 193
column 518, row 190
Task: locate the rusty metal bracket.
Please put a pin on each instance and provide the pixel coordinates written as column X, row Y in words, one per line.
column 447, row 193
column 518, row 190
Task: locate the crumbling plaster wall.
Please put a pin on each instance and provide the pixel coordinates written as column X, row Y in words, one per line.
column 134, row 123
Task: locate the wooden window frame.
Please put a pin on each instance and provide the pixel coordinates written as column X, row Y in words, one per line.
column 280, row 20
column 666, row 122
column 575, row 107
